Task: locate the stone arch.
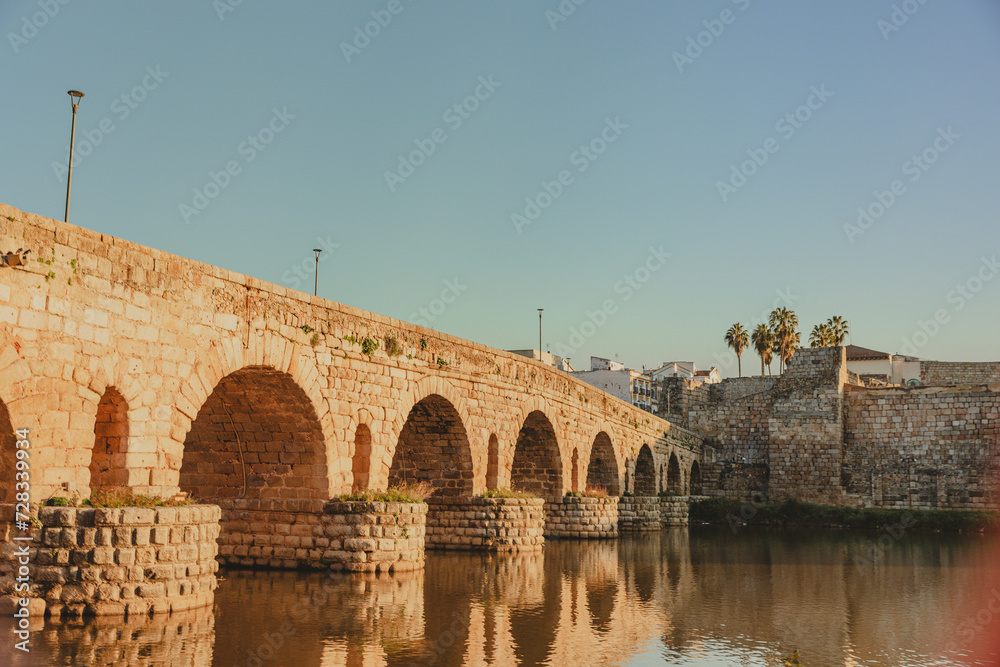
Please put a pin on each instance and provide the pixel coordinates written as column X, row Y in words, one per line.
column 575, row 471
column 8, row 448
column 385, row 447
column 493, row 462
column 645, row 473
column 694, row 486
column 257, row 435
column 361, row 458
column 108, row 465
column 265, row 350
column 537, row 466
column 602, row 471
column 434, row 448
column 674, row 475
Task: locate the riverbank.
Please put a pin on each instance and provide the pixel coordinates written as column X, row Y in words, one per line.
column 794, row 513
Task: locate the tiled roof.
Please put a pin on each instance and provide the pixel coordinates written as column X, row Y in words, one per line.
column 858, row 353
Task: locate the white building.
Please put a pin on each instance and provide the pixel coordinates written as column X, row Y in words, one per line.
column 685, row 369
column 633, row 386
column 874, row 366
column 546, row 358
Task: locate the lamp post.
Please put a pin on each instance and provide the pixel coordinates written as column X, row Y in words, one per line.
column 540, row 334
column 75, row 97
column 316, row 284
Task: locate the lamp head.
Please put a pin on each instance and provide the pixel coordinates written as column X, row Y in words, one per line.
column 76, row 96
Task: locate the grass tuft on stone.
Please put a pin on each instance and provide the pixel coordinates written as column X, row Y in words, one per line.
column 507, row 493
column 415, row 492
column 116, row 497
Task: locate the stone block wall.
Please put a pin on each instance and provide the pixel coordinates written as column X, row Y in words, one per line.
column 675, row 510
column 116, row 561
column 489, row 524
column 585, row 518
column 315, row 534
column 922, row 447
column 639, row 513
column 937, row 373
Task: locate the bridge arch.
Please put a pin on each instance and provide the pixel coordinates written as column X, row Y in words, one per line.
column 434, row 448
column 602, row 470
column 291, row 370
column 694, row 480
column 645, row 473
column 674, row 484
column 108, row 460
column 453, row 409
column 537, row 467
column 256, row 436
column 8, row 447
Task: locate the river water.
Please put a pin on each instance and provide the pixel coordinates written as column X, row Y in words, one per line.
column 699, row 596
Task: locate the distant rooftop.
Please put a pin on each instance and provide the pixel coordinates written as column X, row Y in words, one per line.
column 858, row 353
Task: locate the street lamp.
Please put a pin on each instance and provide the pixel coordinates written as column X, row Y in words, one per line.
column 540, row 334
column 75, row 97
column 316, row 285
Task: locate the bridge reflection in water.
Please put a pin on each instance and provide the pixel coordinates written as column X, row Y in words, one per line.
column 674, row 597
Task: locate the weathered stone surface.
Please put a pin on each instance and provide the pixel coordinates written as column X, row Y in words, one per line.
column 93, row 577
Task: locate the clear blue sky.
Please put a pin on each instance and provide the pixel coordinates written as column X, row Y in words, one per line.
column 182, row 86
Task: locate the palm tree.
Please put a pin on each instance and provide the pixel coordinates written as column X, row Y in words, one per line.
column 737, row 338
column 839, row 328
column 763, row 340
column 822, row 336
column 785, row 324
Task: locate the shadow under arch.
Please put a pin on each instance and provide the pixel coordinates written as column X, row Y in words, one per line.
column 602, row 471
column 257, row 435
column 537, row 466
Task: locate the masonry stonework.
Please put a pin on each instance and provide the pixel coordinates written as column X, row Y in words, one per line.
column 111, row 561
column 812, row 435
column 581, row 517
column 179, row 375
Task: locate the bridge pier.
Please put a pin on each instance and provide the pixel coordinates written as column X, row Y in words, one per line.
column 581, row 518
column 487, row 524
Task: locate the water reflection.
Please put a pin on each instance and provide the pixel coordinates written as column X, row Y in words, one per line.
column 675, row 597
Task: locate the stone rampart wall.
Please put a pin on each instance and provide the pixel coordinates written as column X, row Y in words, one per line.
column 937, row 373
column 923, row 447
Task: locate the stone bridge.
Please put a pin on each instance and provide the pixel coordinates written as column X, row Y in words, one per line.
column 134, row 367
